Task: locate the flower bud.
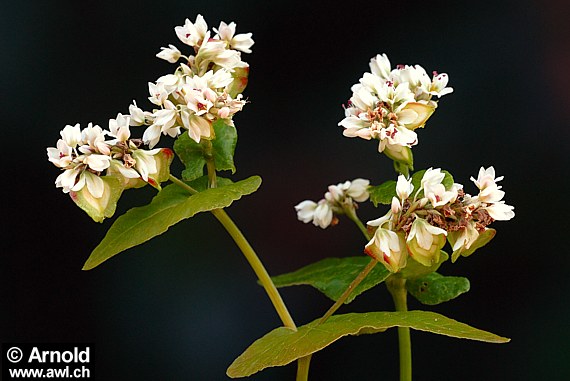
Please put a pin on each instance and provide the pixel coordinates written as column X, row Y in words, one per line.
column 395, row 207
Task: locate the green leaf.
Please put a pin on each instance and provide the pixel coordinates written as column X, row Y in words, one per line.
column 224, row 146
column 170, row 206
column 332, row 276
column 192, row 156
column 221, row 149
column 383, row 193
column 448, row 180
column 284, row 345
column 434, row 288
column 201, row 183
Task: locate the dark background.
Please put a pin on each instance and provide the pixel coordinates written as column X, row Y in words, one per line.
column 185, row 304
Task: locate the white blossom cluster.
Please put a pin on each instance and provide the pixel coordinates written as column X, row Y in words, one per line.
column 85, row 156
column 389, row 104
column 419, row 226
column 339, row 199
column 205, row 87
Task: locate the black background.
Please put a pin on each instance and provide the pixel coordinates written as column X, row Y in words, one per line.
column 184, row 305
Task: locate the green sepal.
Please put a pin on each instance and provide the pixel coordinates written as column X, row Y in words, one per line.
column 383, row 193
column 403, row 159
column 170, row 206
column 332, row 276
column 422, row 112
column 285, row 345
column 99, row 208
column 221, row 149
column 238, row 85
column 432, row 289
column 483, row 239
column 414, row 269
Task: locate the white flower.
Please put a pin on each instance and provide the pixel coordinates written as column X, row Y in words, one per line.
column 306, row 210
column 196, row 125
column 425, row 242
column 394, row 135
column 466, row 237
column 404, row 187
column 380, row 66
column 151, row 135
column 319, row 213
column 158, row 93
column 71, row 135
column 388, row 248
column 119, row 128
column 93, row 138
column 335, row 195
column 432, row 177
column 424, row 233
column 192, row 33
column 66, row 179
column 358, row 190
column 415, row 77
column 170, row 54
column 487, row 184
column 500, row 211
column 96, row 162
column 242, row 42
column 145, row 162
column 323, row 215
column 165, row 123
column 61, row 156
column 435, row 191
column 438, row 85
column 137, row 115
column 94, row 184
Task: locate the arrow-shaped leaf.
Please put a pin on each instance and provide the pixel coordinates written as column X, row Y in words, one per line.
column 170, row 206
column 284, row 345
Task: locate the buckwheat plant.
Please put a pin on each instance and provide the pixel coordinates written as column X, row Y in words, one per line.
column 195, row 105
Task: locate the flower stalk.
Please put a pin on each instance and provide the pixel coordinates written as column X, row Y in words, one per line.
column 251, row 258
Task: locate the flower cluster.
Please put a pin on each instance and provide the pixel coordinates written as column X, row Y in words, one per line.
column 421, row 220
column 97, row 162
column 388, row 105
column 204, row 88
column 340, row 199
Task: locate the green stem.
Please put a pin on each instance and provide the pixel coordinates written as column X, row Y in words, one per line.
column 210, row 165
column 182, row 184
column 397, row 288
column 303, row 368
column 257, row 266
column 349, row 290
column 351, row 214
column 251, row 257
